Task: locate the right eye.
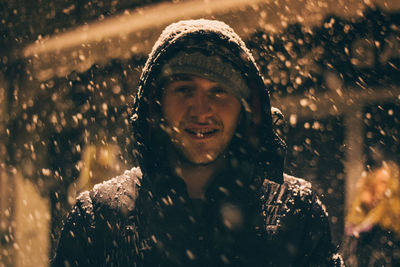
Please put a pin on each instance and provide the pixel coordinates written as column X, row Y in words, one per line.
column 184, row 90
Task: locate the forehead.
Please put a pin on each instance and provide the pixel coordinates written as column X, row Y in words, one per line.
column 187, row 78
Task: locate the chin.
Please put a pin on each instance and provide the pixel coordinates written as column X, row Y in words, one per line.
column 201, row 159
column 198, row 156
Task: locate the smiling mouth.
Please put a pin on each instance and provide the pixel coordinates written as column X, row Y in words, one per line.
column 201, row 133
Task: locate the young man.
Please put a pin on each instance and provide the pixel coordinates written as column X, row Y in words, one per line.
column 210, row 188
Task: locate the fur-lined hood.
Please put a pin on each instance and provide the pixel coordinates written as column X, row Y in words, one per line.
column 262, row 145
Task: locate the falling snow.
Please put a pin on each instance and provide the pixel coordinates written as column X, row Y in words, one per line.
column 332, row 79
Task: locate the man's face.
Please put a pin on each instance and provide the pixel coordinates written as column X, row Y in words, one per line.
column 201, row 116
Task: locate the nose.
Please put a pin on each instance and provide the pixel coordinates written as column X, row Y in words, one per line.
column 200, row 107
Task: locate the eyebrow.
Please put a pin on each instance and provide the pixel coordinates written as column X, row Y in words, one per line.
column 181, row 77
column 175, row 78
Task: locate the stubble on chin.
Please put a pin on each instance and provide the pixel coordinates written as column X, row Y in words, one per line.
column 199, row 153
column 193, row 152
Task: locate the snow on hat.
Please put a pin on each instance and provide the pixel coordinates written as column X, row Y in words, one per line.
column 211, row 67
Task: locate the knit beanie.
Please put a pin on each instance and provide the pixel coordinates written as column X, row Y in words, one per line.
column 211, row 67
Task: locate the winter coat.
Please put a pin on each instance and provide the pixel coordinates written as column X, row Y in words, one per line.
column 104, row 228
column 252, row 214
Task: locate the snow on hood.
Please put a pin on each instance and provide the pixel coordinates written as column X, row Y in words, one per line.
column 217, row 38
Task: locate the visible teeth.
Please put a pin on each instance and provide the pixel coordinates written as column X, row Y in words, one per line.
column 201, row 132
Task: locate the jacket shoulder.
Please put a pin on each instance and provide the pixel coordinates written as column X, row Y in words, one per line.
column 292, row 187
column 302, row 189
column 298, row 186
column 117, row 194
column 293, row 210
column 294, row 197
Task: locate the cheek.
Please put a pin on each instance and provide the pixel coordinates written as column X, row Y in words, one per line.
column 231, row 117
column 172, row 111
column 234, row 110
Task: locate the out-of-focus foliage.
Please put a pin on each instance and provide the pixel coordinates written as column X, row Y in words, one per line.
column 361, row 52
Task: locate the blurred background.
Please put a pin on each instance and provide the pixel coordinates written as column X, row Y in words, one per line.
column 69, row 70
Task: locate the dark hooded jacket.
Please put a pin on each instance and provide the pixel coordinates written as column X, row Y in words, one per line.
column 252, row 213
